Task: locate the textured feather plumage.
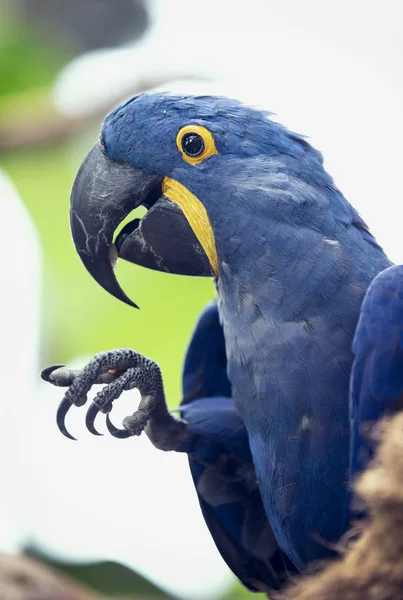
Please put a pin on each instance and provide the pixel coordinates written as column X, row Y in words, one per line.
column 221, row 464
column 377, row 375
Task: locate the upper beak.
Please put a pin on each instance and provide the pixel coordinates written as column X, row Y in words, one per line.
column 103, row 194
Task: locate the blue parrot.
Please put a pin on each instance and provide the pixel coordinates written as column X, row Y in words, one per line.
column 233, row 195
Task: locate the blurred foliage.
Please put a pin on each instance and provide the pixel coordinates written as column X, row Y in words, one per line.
column 86, row 25
column 106, row 577
column 28, row 60
column 115, row 580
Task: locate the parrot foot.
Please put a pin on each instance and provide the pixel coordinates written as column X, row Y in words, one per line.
column 120, row 370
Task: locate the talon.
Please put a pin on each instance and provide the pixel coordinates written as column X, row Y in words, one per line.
column 90, row 419
column 45, row 373
column 59, row 375
column 115, row 431
column 62, row 411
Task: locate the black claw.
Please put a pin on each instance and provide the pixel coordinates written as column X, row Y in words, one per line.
column 62, row 411
column 90, row 419
column 45, row 373
column 117, row 433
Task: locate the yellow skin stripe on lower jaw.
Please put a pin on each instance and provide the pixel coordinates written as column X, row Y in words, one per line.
column 196, row 216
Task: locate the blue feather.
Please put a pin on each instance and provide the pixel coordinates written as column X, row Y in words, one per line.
column 377, row 375
column 221, row 464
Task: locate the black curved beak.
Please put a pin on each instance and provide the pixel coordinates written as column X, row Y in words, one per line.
column 103, row 194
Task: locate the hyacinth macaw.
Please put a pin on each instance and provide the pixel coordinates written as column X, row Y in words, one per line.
column 235, row 196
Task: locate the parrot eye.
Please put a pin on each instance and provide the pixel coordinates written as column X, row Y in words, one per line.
column 195, row 143
column 192, row 144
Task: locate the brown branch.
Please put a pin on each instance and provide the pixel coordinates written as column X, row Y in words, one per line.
column 27, row 123
column 41, row 124
column 22, row 578
column 50, row 131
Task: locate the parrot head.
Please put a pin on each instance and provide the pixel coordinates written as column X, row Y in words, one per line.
column 213, row 174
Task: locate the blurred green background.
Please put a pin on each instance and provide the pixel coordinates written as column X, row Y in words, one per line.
column 78, row 317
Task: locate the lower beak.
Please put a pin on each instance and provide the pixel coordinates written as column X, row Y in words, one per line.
column 104, row 193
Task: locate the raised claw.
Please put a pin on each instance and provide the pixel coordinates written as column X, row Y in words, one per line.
column 62, row 411
column 90, row 419
column 120, row 370
column 115, row 431
column 59, row 375
column 45, row 373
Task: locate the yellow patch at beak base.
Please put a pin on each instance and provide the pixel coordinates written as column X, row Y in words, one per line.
column 196, row 216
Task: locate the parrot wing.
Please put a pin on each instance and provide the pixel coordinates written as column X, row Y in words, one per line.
column 377, row 373
column 221, row 464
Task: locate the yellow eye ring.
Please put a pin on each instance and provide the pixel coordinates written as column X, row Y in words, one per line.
column 195, row 143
